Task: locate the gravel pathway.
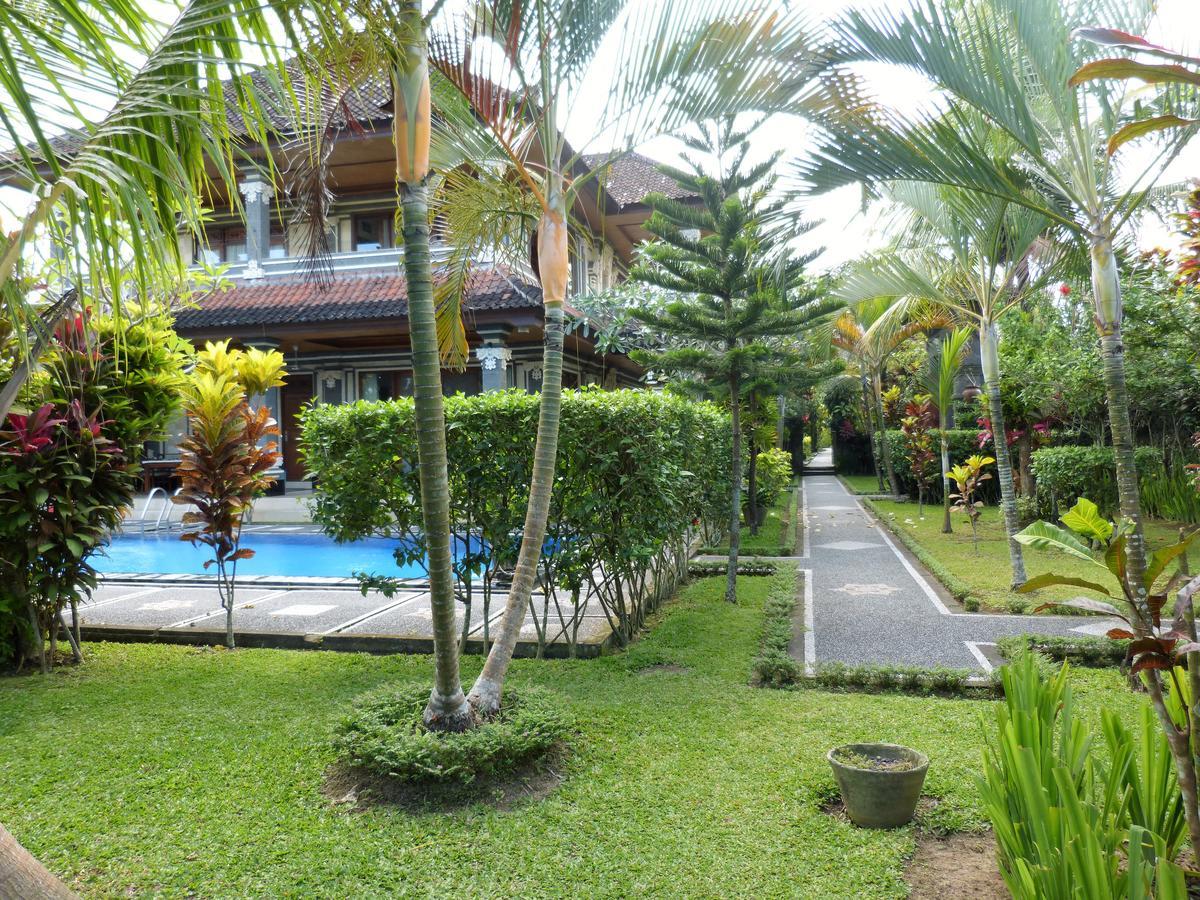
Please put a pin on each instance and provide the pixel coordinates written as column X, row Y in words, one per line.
column 866, row 600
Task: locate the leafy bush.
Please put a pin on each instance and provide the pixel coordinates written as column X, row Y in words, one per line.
column 963, row 442
column 1171, row 493
column 1081, row 650
column 774, row 475
column 1061, row 818
column 1064, row 474
column 384, row 735
column 807, row 447
column 911, row 679
column 69, row 467
column 636, row 472
column 709, row 570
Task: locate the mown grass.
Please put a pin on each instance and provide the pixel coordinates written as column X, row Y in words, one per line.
column 987, row 574
column 170, row 771
column 862, row 484
column 775, row 533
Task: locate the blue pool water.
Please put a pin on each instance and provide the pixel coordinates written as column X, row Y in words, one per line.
column 308, row 555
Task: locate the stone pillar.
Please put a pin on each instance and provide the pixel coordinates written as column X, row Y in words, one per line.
column 257, row 195
column 494, row 360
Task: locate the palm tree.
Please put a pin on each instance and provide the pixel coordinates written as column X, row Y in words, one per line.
column 522, row 67
column 1014, row 64
column 971, row 258
column 940, row 384
column 118, row 127
column 849, row 335
column 1009, row 65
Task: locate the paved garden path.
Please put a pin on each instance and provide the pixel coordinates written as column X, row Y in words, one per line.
column 866, row 600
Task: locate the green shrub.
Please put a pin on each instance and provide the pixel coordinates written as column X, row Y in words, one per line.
column 774, row 475
column 807, row 447
column 964, row 442
column 774, row 667
column 708, row 570
column 1062, row 820
column 1080, row 649
column 634, row 470
column 1064, row 474
column 913, row 679
column 1171, row 494
column 384, row 735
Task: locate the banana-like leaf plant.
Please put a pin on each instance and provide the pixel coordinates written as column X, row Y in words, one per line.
column 1176, row 71
column 1156, row 643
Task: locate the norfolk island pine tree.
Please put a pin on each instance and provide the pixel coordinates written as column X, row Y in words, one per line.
column 738, row 286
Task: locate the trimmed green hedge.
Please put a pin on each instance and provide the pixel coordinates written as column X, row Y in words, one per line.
column 1082, row 650
column 636, row 470
column 1064, row 474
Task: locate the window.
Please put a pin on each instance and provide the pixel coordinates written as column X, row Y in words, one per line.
column 235, row 245
column 384, row 385
column 278, row 248
column 373, row 232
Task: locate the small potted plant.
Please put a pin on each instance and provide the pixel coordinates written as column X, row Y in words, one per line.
column 880, row 783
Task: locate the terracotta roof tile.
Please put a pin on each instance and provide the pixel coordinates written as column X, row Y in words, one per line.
column 347, row 299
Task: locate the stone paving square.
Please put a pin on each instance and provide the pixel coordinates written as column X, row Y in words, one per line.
column 300, row 612
column 157, row 608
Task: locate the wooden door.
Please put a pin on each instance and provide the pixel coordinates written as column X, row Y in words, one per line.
column 294, row 394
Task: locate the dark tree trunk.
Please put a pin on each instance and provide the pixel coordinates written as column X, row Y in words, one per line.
column 735, row 518
column 24, row 878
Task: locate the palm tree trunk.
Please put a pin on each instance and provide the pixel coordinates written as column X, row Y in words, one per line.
column 22, row 876
column 448, row 709
column 869, row 418
column 752, row 487
column 946, row 528
column 553, row 268
column 881, row 432
column 988, row 343
column 1106, row 288
column 735, row 471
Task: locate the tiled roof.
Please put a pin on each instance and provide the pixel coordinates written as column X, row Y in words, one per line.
column 634, row 176
column 352, row 298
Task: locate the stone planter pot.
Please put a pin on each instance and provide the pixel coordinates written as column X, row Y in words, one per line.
column 879, row 797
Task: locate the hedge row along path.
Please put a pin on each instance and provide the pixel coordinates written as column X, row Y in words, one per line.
column 866, row 600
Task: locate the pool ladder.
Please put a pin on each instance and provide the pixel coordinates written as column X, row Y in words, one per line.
column 160, row 522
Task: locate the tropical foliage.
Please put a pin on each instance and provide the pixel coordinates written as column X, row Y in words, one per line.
column 68, row 467
column 1065, row 821
column 1154, row 643
column 227, row 457
column 967, row 478
column 738, row 287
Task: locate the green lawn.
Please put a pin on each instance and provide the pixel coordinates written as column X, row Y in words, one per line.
column 775, row 532
column 861, row 484
column 171, row 771
column 987, row 574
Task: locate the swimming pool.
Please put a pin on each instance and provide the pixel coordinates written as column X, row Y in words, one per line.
column 303, row 555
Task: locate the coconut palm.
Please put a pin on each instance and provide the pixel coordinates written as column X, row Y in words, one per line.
column 523, row 67
column 1008, row 65
column 940, row 378
column 972, row 258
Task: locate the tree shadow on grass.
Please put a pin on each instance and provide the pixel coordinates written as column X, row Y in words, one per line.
column 358, row 790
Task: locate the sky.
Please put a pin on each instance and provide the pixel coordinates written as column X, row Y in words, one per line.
column 845, row 230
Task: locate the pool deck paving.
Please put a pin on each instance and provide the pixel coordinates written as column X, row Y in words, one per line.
column 865, row 599
column 287, row 616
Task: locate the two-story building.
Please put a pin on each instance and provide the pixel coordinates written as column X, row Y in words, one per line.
column 348, row 338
